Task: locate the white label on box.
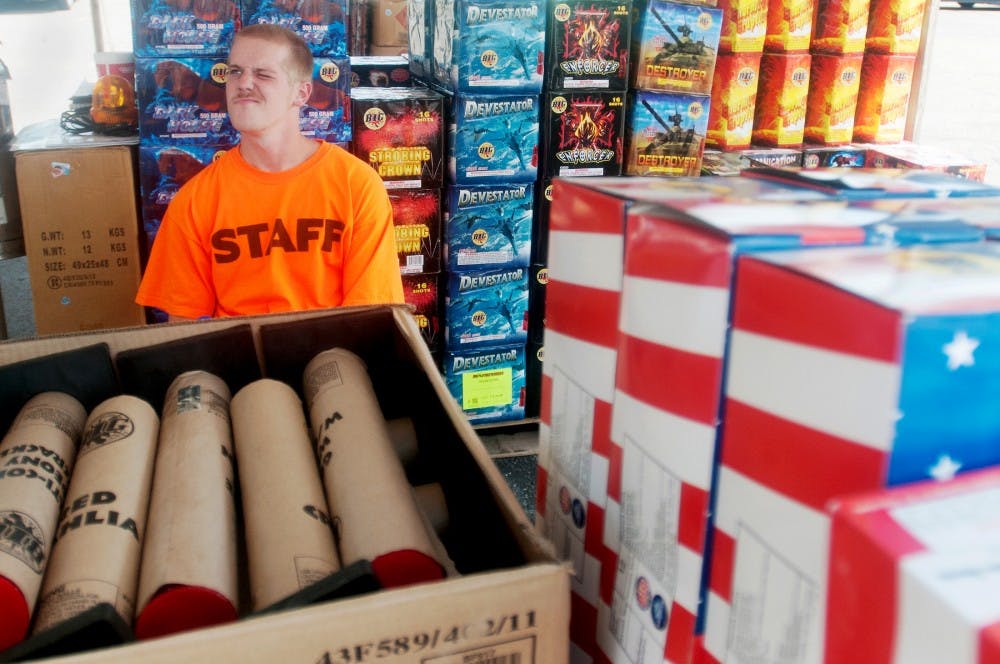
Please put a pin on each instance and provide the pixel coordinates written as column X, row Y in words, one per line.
column 958, row 522
column 572, row 429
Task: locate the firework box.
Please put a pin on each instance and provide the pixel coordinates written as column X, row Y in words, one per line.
column 176, row 28
column 534, row 361
column 486, row 307
column 380, row 71
column 494, row 138
column 421, row 291
column 163, row 169
column 583, row 133
column 925, row 157
column 321, row 23
column 420, row 31
column 588, row 45
column 400, row 133
column 877, row 184
column 734, row 97
column 183, row 101
column 658, row 148
column 489, row 46
column 540, row 224
column 913, row 573
column 840, row 26
column 538, row 280
column 780, row 113
column 883, row 98
column 717, row 162
column 416, row 217
column 674, row 46
column 488, row 226
column 902, row 341
column 776, row 157
column 488, row 383
column 511, row 599
column 744, row 25
column 846, row 156
column 833, row 98
column 327, row 114
column 895, row 26
column 789, row 26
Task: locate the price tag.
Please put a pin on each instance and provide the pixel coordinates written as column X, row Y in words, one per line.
column 486, row 389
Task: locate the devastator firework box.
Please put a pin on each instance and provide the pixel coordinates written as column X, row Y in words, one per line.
column 665, row 133
column 780, row 113
column 327, row 114
column 849, row 369
column 488, row 226
column 488, row 383
column 177, row 28
column 183, row 101
column 321, row 23
column 493, row 138
column 674, row 46
column 486, row 307
column 483, row 46
column 924, row 157
column 895, row 26
column 789, row 26
column 883, row 98
column 734, row 97
column 422, row 292
column 416, row 217
column 583, row 133
column 833, row 98
column 588, row 45
column 840, row 26
column 509, row 597
column 744, row 24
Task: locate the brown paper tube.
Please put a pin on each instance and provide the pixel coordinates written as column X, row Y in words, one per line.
column 95, row 559
column 370, row 500
column 36, row 461
column 404, row 438
column 430, row 500
column 188, row 574
column 289, row 540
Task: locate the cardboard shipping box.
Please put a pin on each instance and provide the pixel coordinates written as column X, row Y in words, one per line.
column 508, row 599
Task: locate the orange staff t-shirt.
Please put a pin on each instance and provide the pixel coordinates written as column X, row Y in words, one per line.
column 239, row 241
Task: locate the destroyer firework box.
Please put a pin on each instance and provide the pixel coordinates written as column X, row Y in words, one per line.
column 183, row 101
column 420, row 20
column 540, row 225
column 588, row 45
column 840, row 26
column 488, row 225
column 539, row 279
column 789, row 26
column 913, row 574
column 674, row 46
column 583, row 133
column 488, row 383
column 482, row 46
column 744, row 24
column 494, row 138
column 400, row 133
column 179, row 28
column 846, row 156
column 883, row 98
column 321, row 23
column 925, row 157
column 895, row 26
column 666, row 133
column 780, row 113
column 416, row 217
column 380, row 71
column 849, row 369
column 833, row 98
column 534, row 360
column 486, row 307
column 734, row 96
column 421, row 291
column 327, row 114
column 777, row 157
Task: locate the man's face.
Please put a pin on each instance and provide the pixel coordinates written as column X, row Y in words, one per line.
column 260, row 95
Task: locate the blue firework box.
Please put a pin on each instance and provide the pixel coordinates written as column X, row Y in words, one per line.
column 489, row 225
column 327, row 113
column 489, row 384
column 183, row 101
column 489, row 45
column 163, row 169
column 493, row 138
column 177, row 28
column 321, row 23
column 486, row 307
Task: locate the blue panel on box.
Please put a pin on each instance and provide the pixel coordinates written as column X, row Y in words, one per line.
column 178, row 28
column 488, row 383
column 327, row 114
column 321, row 23
column 163, row 169
column 494, row 138
column 489, row 226
column 183, row 101
column 486, row 307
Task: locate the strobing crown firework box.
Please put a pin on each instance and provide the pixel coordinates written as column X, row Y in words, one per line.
column 493, row 138
column 895, row 26
column 486, row 307
column 883, row 98
column 588, row 45
column 780, row 113
column 183, row 101
column 416, row 218
column 734, row 98
column 840, row 26
column 327, row 114
column 321, row 23
column 583, row 133
column 789, row 26
column 674, row 46
column 744, row 25
column 488, row 383
column 489, row 226
column 833, row 98
column 181, row 28
column 422, row 292
column 665, row 133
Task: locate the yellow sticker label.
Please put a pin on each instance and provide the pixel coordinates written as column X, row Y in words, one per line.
column 486, row 389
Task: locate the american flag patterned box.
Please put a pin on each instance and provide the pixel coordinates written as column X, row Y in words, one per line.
column 915, row 574
column 848, row 369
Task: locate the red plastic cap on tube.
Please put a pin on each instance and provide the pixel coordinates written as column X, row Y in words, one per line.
column 406, row 567
column 181, row 608
column 15, row 616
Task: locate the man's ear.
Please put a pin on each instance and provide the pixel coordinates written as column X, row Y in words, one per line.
column 303, row 93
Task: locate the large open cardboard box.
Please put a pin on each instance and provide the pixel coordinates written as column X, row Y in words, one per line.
column 510, row 602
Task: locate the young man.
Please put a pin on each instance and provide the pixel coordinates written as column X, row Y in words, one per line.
column 281, row 222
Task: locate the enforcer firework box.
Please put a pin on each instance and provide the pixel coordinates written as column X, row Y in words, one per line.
column 400, row 133
column 488, row 383
column 486, row 307
column 665, row 133
column 488, row 226
column 849, row 370
column 895, row 26
column 380, row 71
column 833, row 98
column 483, row 46
column 321, row 23
column 674, row 46
column 416, row 217
column 840, row 26
column 183, row 101
column 327, row 114
column 914, row 155
column 583, row 133
column 494, row 138
column 883, row 98
column 422, row 292
column 540, row 225
column 588, row 45
column 744, row 25
column 780, row 113
column 179, row 28
column 834, row 157
column 734, row 97
column 789, row 26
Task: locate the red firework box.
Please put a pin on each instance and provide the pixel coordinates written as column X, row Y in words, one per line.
column 744, row 24
column 734, row 96
column 588, row 45
column 584, row 133
column 833, row 98
column 840, row 26
column 422, row 292
column 400, row 133
column 780, row 113
column 789, row 26
column 883, row 98
column 895, row 26
column 674, row 46
column 416, row 216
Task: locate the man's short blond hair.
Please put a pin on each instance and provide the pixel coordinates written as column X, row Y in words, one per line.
column 299, row 62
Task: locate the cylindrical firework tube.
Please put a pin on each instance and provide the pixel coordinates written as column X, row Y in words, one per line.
column 95, row 559
column 403, row 435
column 188, row 575
column 36, row 460
column 289, row 540
column 367, row 491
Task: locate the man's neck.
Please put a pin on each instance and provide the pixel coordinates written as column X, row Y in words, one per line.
column 274, row 154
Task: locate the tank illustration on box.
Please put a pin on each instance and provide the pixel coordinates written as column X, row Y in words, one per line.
column 674, row 139
column 682, row 48
column 675, row 47
column 666, row 134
